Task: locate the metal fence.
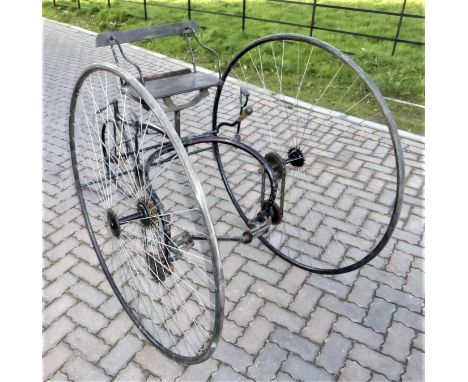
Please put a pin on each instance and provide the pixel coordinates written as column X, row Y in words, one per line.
column 312, row 24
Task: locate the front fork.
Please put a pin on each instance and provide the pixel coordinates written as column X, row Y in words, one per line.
column 268, row 208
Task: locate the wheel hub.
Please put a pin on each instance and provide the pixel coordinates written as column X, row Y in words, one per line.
column 147, row 208
column 113, row 223
column 295, row 157
column 144, row 209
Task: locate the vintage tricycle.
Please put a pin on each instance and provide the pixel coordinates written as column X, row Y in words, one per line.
column 303, row 141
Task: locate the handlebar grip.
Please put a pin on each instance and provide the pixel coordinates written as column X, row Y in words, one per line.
column 245, row 113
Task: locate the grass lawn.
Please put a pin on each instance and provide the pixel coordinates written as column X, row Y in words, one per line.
column 400, row 76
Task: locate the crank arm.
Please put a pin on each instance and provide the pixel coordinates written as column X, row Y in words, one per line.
column 246, row 237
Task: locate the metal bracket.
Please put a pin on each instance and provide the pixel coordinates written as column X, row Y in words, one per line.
column 112, row 42
column 171, row 106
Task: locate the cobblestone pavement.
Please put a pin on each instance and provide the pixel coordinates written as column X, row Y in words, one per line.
column 280, row 322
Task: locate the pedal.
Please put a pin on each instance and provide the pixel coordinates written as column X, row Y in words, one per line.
column 182, row 241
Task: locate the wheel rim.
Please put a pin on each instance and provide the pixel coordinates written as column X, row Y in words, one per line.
column 171, row 291
column 317, row 109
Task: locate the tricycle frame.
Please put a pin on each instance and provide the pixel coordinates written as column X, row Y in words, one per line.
column 149, row 211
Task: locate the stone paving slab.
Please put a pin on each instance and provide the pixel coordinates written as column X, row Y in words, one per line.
column 283, row 324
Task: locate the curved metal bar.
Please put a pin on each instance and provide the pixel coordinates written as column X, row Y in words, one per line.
column 113, row 41
column 189, row 46
column 172, row 106
column 215, row 141
column 218, row 61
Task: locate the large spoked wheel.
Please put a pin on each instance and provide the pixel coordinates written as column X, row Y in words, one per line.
column 141, row 203
column 325, row 128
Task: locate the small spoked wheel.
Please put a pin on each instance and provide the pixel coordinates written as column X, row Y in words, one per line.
column 141, row 203
column 332, row 141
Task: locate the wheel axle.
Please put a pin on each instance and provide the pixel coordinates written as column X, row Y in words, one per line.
column 142, row 215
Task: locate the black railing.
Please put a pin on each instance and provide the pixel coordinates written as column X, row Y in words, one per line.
column 310, row 26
